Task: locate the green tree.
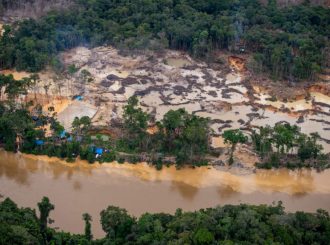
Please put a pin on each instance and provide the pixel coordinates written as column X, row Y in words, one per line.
column 56, row 127
column 184, row 135
column 23, row 127
column 308, row 147
column 72, row 69
column 81, row 125
column 285, row 136
column 44, row 208
column 88, row 231
column 173, row 124
column 203, row 236
column 13, row 87
column 263, row 140
column 233, row 137
column 135, row 123
column 116, row 223
column 230, row 224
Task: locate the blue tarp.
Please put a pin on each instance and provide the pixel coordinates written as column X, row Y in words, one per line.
column 99, row 151
column 39, row 123
column 70, row 139
column 39, row 142
column 62, row 135
column 79, row 97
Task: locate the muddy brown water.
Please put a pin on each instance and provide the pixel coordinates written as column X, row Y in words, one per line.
column 79, row 187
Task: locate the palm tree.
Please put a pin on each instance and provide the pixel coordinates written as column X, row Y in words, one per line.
column 44, row 208
column 88, row 232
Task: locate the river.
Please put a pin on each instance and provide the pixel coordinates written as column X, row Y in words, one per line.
column 80, row 187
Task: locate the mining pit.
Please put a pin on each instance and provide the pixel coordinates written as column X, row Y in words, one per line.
column 230, row 96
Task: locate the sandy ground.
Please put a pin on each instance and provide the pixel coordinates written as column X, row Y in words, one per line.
column 18, row 75
column 59, row 105
column 76, row 109
column 218, row 142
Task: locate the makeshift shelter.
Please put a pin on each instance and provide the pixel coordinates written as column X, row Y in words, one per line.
column 98, row 151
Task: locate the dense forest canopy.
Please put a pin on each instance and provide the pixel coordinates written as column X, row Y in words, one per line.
column 289, row 43
column 242, row 224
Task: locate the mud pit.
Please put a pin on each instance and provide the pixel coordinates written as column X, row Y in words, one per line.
column 173, row 80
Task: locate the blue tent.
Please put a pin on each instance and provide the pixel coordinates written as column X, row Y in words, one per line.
column 39, row 142
column 99, row 151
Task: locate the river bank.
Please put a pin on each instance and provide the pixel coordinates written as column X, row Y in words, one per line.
column 283, row 180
